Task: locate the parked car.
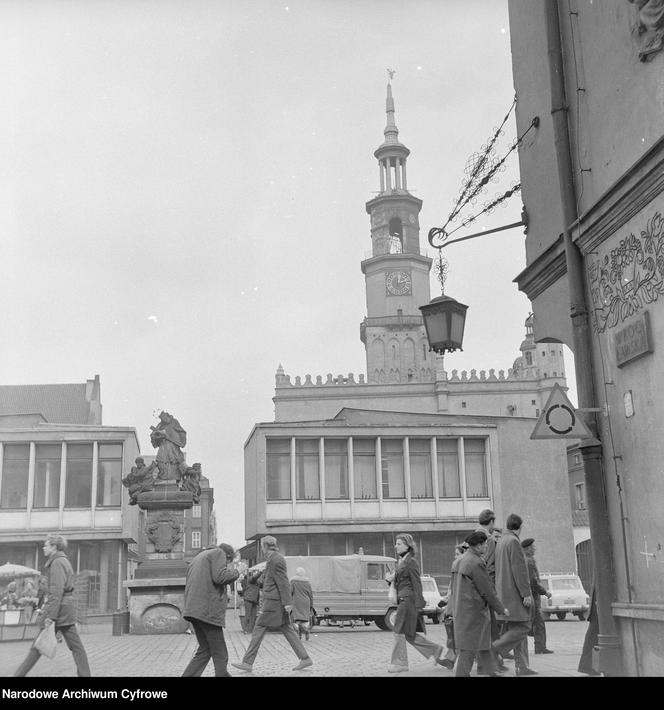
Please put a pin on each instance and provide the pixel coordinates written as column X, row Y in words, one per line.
column 434, row 608
column 567, row 595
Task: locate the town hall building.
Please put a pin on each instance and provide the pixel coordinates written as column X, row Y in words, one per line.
column 349, row 462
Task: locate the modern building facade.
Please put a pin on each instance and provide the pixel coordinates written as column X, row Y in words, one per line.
column 348, row 462
column 61, row 471
column 609, row 197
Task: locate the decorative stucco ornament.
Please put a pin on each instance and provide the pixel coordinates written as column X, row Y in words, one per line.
column 649, row 27
column 164, row 532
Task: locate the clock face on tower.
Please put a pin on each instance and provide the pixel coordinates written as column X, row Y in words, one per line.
column 398, row 283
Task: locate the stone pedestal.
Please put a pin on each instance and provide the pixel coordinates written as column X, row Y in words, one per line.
column 156, row 594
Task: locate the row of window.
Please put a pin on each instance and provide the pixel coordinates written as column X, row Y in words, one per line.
column 78, row 461
column 456, row 465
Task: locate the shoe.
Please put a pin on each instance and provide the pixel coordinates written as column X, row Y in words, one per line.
column 243, row 666
column 507, row 656
column 545, row 650
column 397, row 669
column 304, row 663
column 526, row 671
column 446, row 663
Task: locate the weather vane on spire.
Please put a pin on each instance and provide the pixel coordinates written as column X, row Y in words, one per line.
column 391, row 72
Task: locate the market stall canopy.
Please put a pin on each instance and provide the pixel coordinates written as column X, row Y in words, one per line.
column 10, row 571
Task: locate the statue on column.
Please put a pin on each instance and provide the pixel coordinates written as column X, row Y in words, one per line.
column 168, row 437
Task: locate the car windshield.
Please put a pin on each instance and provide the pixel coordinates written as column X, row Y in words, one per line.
column 566, row 583
column 429, row 585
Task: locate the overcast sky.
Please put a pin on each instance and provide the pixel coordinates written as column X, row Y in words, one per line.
column 182, row 190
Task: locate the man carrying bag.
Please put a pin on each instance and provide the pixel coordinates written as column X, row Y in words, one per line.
column 58, row 609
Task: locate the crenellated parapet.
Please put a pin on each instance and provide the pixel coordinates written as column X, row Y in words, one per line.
column 393, row 377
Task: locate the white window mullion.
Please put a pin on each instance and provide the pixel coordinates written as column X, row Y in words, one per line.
column 321, row 473
column 434, row 473
column 351, row 478
column 63, row 484
column 379, row 477
column 293, row 478
column 406, row 473
column 462, row 474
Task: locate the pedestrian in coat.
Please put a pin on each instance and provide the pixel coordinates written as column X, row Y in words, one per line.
column 277, row 605
column 205, row 603
column 448, row 618
column 303, row 601
column 473, row 596
column 58, row 607
column 487, row 523
column 408, row 585
column 251, row 595
column 513, row 587
column 538, row 628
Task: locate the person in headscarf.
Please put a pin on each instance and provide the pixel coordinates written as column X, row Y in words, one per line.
column 303, row 601
column 408, row 585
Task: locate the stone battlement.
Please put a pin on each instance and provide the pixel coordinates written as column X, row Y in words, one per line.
column 283, row 380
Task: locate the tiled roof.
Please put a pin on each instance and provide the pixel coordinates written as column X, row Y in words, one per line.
column 59, row 404
column 580, row 518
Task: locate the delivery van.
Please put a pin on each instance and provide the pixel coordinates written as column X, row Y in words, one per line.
column 347, row 587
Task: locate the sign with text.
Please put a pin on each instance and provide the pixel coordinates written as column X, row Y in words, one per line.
column 559, row 419
column 633, row 340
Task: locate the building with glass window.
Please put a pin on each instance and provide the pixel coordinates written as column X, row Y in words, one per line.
column 61, row 471
column 200, row 530
column 348, row 462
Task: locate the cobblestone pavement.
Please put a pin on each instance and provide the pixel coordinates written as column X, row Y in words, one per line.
column 358, row 651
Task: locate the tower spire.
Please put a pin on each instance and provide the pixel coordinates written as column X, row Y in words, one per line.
column 391, row 131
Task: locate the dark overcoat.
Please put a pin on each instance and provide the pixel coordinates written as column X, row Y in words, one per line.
column 60, row 578
column 303, row 598
column 251, row 587
column 512, row 579
column 472, row 596
column 276, row 592
column 205, row 597
column 409, row 595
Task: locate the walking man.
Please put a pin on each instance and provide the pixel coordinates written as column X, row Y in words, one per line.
column 277, row 604
column 205, row 602
column 513, row 587
column 536, row 588
column 487, row 520
column 59, row 606
column 472, row 597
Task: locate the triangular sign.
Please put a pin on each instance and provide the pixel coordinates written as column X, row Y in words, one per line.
column 559, row 419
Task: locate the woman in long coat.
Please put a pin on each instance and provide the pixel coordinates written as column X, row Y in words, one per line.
column 472, row 596
column 408, row 586
column 303, row 601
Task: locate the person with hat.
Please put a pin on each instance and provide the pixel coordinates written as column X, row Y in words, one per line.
column 408, row 585
column 487, row 523
column 472, row 597
column 538, row 629
column 448, row 618
column 277, row 606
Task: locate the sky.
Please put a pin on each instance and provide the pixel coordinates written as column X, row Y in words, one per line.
column 182, row 191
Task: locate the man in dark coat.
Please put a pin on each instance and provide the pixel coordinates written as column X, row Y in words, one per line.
column 513, row 587
column 59, row 607
column 472, row 597
column 205, row 602
column 277, row 605
column 538, row 628
column 487, row 521
column 251, row 595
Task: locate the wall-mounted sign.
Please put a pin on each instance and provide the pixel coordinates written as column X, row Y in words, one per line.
column 633, row 340
column 559, row 419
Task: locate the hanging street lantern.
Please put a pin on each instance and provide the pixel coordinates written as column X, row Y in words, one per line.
column 444, row 321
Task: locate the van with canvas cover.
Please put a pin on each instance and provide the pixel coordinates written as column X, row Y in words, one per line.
column 347, row 587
